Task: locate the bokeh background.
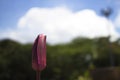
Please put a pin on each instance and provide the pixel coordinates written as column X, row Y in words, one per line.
column 80, row 38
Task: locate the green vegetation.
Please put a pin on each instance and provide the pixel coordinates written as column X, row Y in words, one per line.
column 70, row 61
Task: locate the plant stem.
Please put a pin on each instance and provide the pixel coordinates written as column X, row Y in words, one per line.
column 37, row 75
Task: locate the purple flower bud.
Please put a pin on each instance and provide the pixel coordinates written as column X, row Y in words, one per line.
column 39, row 53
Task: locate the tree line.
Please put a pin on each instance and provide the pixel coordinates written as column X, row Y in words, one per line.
column 68, row 61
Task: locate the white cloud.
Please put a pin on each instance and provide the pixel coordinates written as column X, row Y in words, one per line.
column 60, row 25
column 117, row 20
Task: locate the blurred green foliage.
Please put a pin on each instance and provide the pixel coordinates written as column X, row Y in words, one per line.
column 70, row 61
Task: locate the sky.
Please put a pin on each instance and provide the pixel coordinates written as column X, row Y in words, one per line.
column 60, row 20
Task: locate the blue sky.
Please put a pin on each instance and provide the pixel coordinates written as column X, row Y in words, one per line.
column 12, row 10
